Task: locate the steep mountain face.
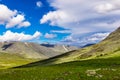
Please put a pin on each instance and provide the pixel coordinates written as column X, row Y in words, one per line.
column 114, row 36
column 106, row 48
column 60, row 48
column 33, row 50
column 109, row 47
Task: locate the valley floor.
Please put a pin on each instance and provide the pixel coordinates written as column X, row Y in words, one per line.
column 95, row 69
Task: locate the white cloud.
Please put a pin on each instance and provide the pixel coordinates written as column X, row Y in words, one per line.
column 38, row 3
column 11, row 18
column 50, row 36
column 108, row 6
column 104, row 8
column 75, row 14
column 25, row 24
column 55, row 18
column 15, row 21
column 94, row 38
column 60, row 31
column 14, row 36
column 6, row 12
column 82, row 17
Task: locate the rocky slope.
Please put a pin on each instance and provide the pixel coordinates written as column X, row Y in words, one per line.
column 34, row 50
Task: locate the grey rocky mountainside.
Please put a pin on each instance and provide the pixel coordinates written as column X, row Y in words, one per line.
column 34, row 50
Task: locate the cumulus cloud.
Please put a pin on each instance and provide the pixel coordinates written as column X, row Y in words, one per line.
column 76, row 13
column 14, row 36
column 50, row 36
column 82, row 17
column 38, row 3
column 104, row 8
column 108, row 6
column 94, row 38
column 12, row 18
column 25, row 24
column 55, row 18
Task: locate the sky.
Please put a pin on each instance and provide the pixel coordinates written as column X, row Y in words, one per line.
column 71, row 22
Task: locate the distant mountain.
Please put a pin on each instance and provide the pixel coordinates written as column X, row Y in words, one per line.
column 53, row 54
column 34, row 50
column 19, row 53
column 88, row 45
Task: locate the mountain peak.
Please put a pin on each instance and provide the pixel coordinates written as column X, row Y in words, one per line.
column 115, row 35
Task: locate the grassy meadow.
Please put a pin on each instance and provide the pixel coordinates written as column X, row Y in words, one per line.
column 97, row 62
column 94, row 69
column 10, row 60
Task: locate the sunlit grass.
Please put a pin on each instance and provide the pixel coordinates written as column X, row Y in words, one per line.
column 12, row 60
column 94, row 69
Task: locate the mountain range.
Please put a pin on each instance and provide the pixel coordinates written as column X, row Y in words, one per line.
column 107, row 48
column 46, row 54
column 28, row 52
column 32, row 61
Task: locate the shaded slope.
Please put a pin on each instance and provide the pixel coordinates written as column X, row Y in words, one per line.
column 19, row 53
column 47, row 61
column 94, row 69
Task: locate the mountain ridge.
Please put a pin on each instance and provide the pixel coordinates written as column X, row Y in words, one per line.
column 34, row 50
column 20, row 53
column 107, row 48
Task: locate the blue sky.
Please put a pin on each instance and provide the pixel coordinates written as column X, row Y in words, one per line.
column 73, row 22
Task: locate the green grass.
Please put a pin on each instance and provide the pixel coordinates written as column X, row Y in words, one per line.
column 97, row 62
column 12, row 60
column 94, row 69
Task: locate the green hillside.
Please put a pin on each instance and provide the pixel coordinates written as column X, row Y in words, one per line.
column 9, row 60
column 20, row 53
column 97, row 62
column 109, row 47
column 94, row 69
